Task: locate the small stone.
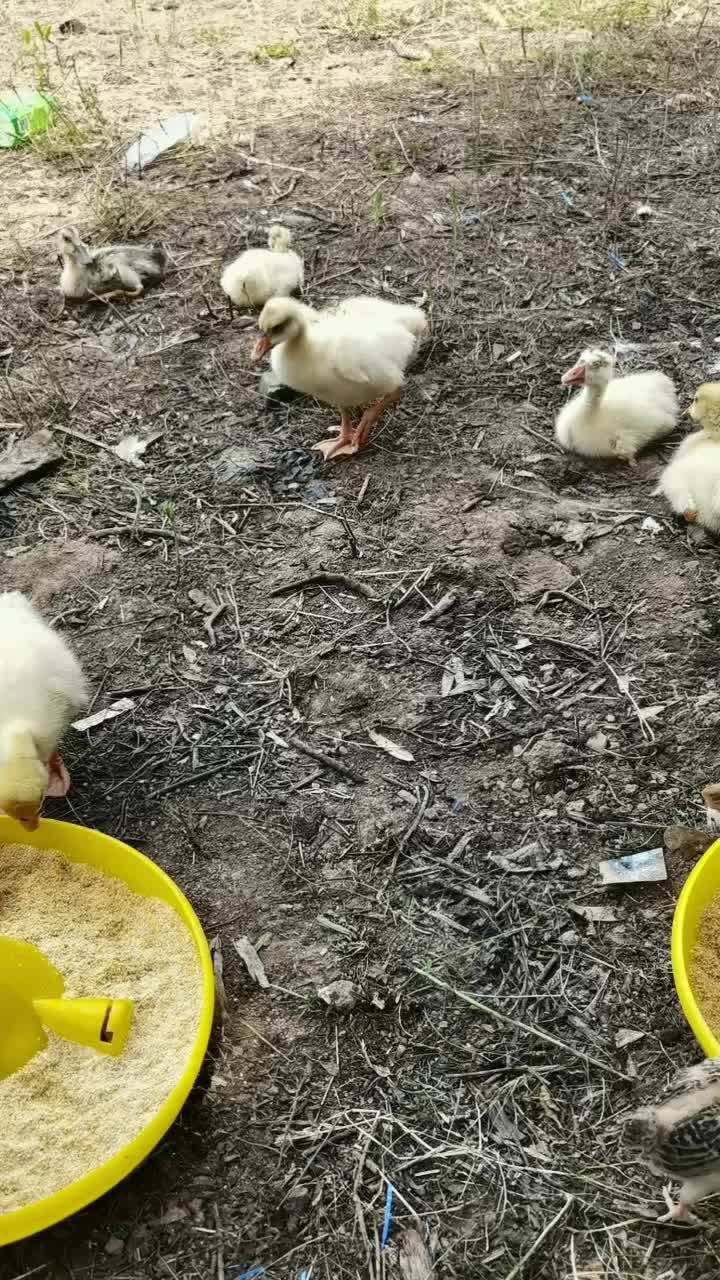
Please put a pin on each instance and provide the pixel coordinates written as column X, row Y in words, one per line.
column 72, row 27
column 114, row 1245
column 241, row 460
column 342, row 995
column 598, row 742
column 547, row 756
column 174, row 1213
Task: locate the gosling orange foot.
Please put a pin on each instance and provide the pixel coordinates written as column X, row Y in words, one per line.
column 58, row 776
column 353, row 439
column 371, row 415
column 679, row 1212
column 690, row 516
column 343, row 442
column 335, row 448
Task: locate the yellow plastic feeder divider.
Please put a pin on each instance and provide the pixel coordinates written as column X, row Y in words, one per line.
column 102, row 1025
column 31, row 998
column 701, row 886
column 80, row 844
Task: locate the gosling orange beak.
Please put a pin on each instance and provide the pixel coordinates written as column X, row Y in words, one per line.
column 574, row 377
column 261, row 348
column 26, row 817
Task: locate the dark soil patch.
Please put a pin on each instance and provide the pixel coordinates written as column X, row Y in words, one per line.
column 468, row 864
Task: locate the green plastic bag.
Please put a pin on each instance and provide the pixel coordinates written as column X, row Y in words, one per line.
column 24, row 114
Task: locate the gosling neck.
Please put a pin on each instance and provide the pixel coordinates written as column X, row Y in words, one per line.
column 711, row 425
column 594, row 393
column 298, row 341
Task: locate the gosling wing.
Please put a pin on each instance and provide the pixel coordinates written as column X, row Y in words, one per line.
column 690, row 1146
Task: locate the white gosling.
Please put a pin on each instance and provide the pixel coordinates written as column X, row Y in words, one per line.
column 354, row 355
column 614, row 417
column 691, row 480
column 260, row 274
column 42, row 688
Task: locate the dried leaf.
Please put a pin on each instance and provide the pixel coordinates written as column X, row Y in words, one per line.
column 454, row 674
column 651, row 526
column 593, row 915
column 131, row 448
column 651, row 713
column 421, row 53
column 626, row 1036
column 548, row 1105
column 202, row 599
column 392, row 748
column 99, row 717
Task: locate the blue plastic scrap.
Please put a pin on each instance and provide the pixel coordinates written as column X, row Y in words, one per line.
column 616, row 260
column 585, row 99
column 566, row 199
column 388, row 1215
column 250, row 1275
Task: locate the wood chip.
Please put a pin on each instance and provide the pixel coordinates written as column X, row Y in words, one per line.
column 444, row 605
column 335, row 928
column 329, row 580
column 217, row 963
column 392, row 748
column 252, row 961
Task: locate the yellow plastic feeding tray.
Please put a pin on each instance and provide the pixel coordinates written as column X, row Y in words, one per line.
column 79, row 844
column 701, row 886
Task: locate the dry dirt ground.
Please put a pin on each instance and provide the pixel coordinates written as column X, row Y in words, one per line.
column 564, row 707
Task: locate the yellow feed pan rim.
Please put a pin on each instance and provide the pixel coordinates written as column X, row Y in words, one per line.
column 81, row 844
column 701, row 886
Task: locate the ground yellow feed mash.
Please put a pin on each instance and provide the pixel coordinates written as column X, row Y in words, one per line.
column 705, row 966
column 69, row 1108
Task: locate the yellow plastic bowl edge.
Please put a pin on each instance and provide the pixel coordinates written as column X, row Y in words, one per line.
column 81, row 844
column 701, row 886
